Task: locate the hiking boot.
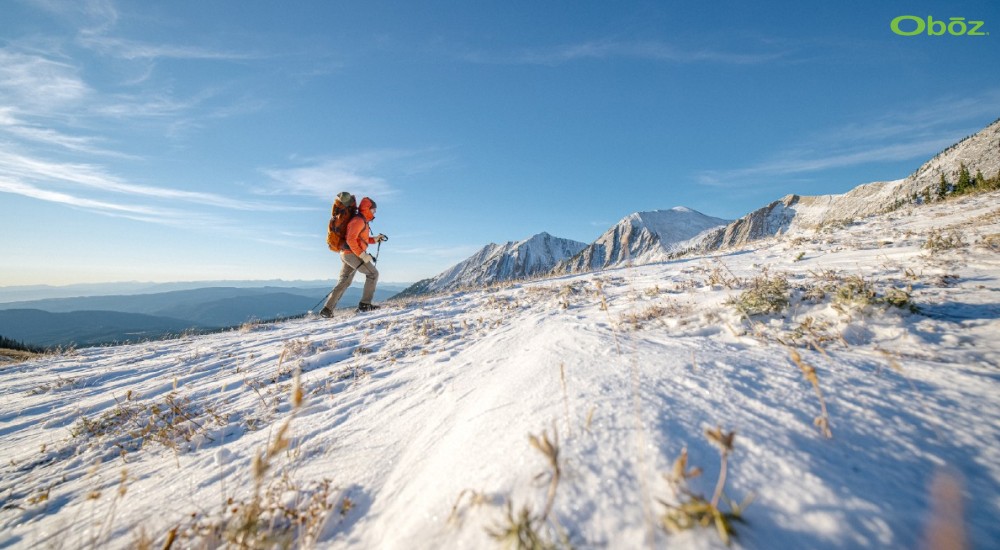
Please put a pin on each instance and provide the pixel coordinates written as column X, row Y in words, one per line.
column 365, row 306
column 326, row 312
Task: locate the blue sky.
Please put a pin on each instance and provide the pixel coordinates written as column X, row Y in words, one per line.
column 191, row 140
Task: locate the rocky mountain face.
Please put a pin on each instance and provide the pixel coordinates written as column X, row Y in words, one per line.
column 980, row 152
column 772, row 219
column 501, row 262
column 642, row 237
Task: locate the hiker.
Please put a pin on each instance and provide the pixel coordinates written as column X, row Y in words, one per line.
column 356, row 258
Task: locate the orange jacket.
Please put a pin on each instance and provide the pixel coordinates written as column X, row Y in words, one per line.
column 358, row 232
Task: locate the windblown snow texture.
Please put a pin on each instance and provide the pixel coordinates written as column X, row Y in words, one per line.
column 418, row 415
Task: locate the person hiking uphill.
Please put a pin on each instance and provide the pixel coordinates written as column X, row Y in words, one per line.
column 356, row 258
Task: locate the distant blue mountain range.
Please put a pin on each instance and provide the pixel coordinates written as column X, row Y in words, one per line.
column 93, row 320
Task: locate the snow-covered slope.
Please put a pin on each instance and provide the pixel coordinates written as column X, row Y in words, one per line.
column 496, row 263
column 415, row 422
column 980, row 152
column 642, row 237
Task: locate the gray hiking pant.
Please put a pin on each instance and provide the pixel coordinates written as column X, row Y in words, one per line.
column 351, row 265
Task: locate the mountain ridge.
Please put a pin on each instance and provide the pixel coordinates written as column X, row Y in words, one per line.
column 648, row 236
column 978, row 152
column 87, row 327
column 501, row 262
column 641, row 237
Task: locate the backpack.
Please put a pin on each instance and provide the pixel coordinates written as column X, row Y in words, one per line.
column 344, row 208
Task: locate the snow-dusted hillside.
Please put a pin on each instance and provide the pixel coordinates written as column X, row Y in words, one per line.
column 411, row 426
column 980, row 152
column 502, row 262
column 642, row 237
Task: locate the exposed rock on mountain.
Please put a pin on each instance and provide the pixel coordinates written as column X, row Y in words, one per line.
column 495, row 263
column 642, row 237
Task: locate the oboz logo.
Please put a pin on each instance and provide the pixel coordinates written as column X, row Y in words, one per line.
column 911, row 25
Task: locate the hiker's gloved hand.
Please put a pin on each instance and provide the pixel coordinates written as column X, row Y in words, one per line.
column 381, row 237
column 367, row 258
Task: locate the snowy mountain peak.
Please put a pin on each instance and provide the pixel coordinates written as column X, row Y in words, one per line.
column 494, row 263
column 642, row 237
column 539, row 238
column 673, row 224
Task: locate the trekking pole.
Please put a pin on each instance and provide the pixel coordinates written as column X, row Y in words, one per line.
column 321, row 300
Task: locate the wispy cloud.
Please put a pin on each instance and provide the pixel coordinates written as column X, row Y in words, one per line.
column 30, row 173
column 367, row 173
column 79, row 144
column 53, row 121
column 39, row 95
column 144, row 213
column 915, row 133
column 613, row 49
column 804, row 162
column 147, row 105
column 14, row 127
column 327, row 178
column 37, row 83
column 121, row 48
column 92, row 14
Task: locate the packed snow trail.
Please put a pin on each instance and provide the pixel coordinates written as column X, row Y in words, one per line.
column 419, row 414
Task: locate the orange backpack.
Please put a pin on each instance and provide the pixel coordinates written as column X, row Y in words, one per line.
column 344, row 208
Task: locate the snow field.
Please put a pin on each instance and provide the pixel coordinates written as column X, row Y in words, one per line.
column 418, row 416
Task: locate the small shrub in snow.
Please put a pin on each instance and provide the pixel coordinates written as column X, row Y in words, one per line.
column 250, row 326
column 131, row 424
column 475, row 498
column 46, row 387
column 857, row 293
column 823, row 420
column 284, row 515
column 694, row 510
column 527, row 529
column 990, row 242
column 945, row 280
column 637, row 318
column 601, row 295
column 669, row 308
column 899, row 298
column 297, row 348
column 939, row 241
column 766, row 294
column 718, row 277
column 568, row 292
column 811, row 332
column 523, row 531
column 815, row 293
